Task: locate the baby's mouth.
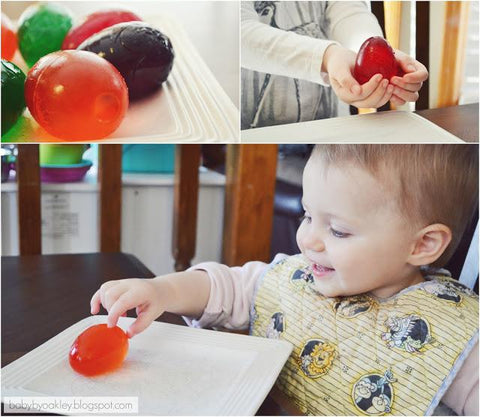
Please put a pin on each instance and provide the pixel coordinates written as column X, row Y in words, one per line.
column 321, row 270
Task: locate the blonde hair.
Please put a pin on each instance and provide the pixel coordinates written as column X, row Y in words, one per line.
column 435, row 183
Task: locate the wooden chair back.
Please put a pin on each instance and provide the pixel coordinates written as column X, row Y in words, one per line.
column 248, row 211
column 29, row 198
column 250, row 184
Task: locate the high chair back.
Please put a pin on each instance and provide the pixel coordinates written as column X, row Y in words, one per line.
column 250, row 184
column 28, row 194
column 29, row 198
column 249, row 196
column 248, row 211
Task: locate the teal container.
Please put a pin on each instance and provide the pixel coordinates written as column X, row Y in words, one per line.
column 148, row 158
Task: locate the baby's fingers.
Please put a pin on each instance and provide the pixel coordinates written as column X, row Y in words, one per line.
column 110, row 295
column 405, row 95
column 387, row 95
column 369, row 87
column 98, row 298
column 397, row 101
column 419, row 75
column 143, row 320
column 398, row 81
column 95, row 303
column 123, row 303
column 376, row 97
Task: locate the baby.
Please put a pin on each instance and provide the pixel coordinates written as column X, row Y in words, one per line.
column 374, row 330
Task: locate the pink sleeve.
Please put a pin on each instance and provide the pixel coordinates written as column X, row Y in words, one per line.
column 462, row 395
column 231, row 294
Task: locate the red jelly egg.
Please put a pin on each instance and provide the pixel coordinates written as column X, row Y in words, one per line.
column 94, row 23
column 9, row 38
column 98, row 350
column 76, row 95
column 375, row 56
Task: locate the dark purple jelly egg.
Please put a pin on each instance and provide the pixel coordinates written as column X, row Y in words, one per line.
column 141, row 53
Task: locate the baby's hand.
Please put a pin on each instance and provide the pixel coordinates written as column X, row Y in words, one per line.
column 339, row 62
column 407, row 87
column 119, row 296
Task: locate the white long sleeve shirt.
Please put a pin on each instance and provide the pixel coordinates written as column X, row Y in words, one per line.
column 283, row 44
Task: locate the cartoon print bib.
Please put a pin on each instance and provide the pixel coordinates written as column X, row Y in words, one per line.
column 362, row 356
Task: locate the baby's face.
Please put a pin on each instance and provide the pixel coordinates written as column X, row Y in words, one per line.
column 353, row 233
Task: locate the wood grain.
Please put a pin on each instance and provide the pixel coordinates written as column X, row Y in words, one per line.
column 393, row 19
column 249, row 195
column 461, row 121
column 187, row 162
column 453, row 52
column 29, row 200
column 110, row 179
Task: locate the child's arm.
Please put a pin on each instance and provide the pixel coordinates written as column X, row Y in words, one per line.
column 181, row 293
column 276, row 51
column 231, row 295
column 281, row 52
column 208, row 294
column 462, row 395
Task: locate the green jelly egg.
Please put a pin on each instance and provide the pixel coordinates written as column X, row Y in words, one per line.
column 13, row 101
column 41, row 30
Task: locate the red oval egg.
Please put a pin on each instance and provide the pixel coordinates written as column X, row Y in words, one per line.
column 94, row 23
column 9, row 38
column 375, row 56
column 98, row 350
column 76, row 95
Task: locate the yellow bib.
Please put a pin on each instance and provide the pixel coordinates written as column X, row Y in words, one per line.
column 359, row 355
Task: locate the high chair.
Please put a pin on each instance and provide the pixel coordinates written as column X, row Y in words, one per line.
column 29, row 192
column 250, row 180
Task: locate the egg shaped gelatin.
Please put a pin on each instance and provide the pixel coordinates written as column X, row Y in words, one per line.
column 98, row 350
column 9, row 38
column 76, row 95
column 41, row 29
column 143, row 55
column 13, row 102
column 94, row 23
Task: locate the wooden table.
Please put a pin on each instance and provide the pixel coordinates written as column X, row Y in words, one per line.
column 461, row 121
column 45, row 294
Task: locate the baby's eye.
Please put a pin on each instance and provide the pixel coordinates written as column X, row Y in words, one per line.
column 338, row 234
column 306, row 218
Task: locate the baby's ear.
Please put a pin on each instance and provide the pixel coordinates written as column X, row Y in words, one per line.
column 429, row 245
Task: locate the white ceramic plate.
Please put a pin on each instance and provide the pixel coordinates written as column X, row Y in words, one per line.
column 191, row 106
column 381, row 127
column 173, row 370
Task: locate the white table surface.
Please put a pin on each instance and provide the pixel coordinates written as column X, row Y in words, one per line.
column 382, row 127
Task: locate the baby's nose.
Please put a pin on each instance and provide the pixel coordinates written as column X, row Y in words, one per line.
column 314, row 243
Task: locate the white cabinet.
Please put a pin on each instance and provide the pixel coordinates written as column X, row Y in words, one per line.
column 70, row 218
